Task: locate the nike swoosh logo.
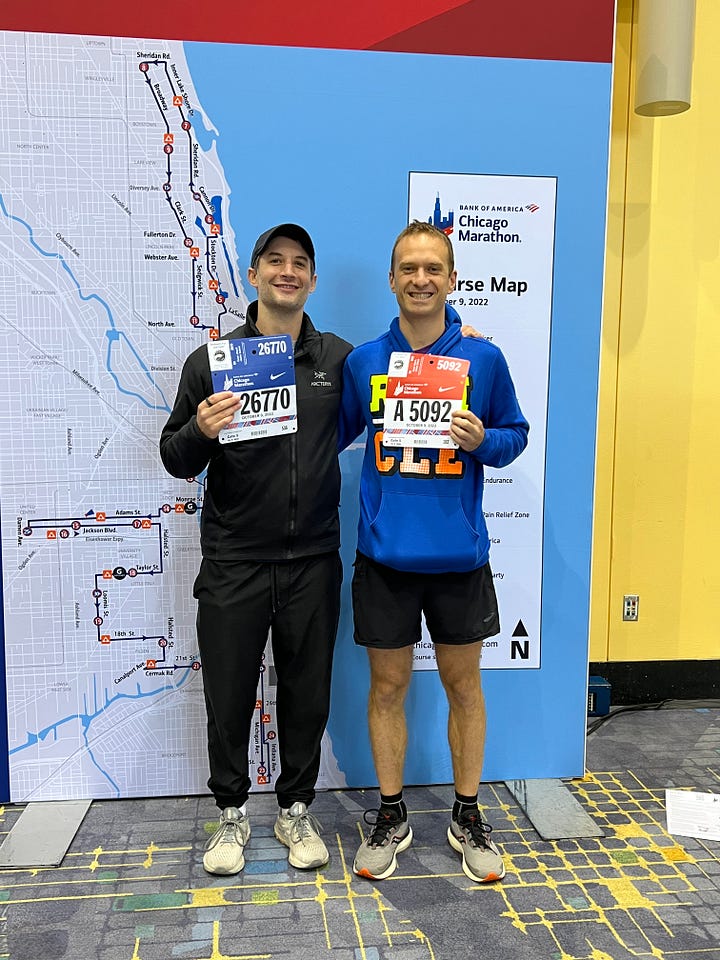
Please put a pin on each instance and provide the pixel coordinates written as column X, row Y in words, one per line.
column 274, row 376
column 445, row 389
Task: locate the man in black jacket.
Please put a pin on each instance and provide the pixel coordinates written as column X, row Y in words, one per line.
column 270, row 539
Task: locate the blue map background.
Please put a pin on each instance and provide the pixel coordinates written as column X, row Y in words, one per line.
column 327, row 138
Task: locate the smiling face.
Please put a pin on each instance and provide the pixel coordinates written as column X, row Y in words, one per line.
column 283, row 276
column 421, row 277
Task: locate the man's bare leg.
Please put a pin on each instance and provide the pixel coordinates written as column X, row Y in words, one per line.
column 390, row 673
column 459, row 668
column 468, row 834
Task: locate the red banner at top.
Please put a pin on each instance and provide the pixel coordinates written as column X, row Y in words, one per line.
column 527, row 29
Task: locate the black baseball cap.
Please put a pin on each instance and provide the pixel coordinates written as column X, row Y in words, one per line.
column 290, row 230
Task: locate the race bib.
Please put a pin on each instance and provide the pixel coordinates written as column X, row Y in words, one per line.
column 261, row 371
column 423, row 391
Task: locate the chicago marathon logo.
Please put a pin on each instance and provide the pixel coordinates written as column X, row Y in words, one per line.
column 437, row 219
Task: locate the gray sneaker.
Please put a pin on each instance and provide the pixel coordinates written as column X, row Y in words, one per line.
column 299, row 831
column 470, row 836
column 376, row 858
column 225, row 850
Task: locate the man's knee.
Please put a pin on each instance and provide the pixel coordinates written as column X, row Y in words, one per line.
column 463, row 690
column 390, row 674
column 388, row 693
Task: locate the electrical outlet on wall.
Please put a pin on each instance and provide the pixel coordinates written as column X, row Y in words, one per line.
column 631, row 602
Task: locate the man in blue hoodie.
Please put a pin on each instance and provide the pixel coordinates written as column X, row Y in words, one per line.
column 423, row 547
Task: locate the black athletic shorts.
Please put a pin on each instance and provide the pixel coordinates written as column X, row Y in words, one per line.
column 459, row 607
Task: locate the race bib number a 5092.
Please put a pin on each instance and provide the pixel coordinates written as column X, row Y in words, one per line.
column 261, row 371
column 423, row 391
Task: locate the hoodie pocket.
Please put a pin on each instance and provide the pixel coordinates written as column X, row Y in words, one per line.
column 424, row 534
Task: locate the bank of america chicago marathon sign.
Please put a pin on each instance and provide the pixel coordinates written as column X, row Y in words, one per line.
column 503, row 230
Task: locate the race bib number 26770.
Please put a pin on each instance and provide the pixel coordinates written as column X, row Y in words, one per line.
column 261, row 371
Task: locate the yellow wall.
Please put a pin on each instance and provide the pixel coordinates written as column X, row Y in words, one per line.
column 657, row 501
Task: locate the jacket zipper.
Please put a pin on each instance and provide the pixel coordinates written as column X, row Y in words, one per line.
column 300, row 353
column 292, row 527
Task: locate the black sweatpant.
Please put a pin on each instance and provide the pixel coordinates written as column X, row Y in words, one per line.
column 238, row 603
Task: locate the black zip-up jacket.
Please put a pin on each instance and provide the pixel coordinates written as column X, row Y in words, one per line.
column 275, row 498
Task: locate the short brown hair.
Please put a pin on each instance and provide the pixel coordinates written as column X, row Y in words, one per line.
column 418, row 227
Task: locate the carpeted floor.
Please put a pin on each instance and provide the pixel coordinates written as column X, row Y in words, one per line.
column 132, row 885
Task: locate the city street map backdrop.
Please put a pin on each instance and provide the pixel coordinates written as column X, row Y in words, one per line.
column 137, row 174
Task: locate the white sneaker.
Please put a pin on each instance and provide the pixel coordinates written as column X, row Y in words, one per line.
column 299, row 830
column 225, row 850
